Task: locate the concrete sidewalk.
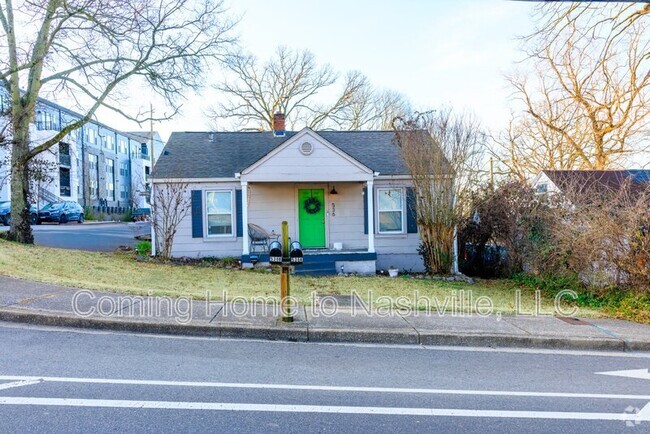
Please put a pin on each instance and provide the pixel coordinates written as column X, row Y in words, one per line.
column 44, row 304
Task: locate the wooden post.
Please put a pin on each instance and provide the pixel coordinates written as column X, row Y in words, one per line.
column 285, row 290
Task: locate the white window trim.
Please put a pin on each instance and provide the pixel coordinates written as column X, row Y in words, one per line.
column 402, row 210
column 206, row 234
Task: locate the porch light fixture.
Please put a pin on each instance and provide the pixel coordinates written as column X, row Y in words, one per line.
column 333, row 190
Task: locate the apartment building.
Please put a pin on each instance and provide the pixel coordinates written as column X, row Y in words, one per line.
column 96, row 165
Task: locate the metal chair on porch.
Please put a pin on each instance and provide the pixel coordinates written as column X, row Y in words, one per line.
column 260, row 238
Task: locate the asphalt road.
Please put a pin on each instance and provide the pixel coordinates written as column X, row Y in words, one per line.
column 103, row 237
column 55, row 380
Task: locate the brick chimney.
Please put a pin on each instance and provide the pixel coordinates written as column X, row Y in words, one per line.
column 278, row 124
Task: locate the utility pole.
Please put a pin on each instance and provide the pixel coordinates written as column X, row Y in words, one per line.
column 151, row 191
column 491, row 173
column 151, row 135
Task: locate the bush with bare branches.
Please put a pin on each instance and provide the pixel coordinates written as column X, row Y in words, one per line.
column 604, row 236
column 598, row 233
column 510, row 216
column 170, row 204
column 442, row 152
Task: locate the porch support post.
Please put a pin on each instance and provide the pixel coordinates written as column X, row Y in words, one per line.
column 244, row 217
column 371, row 217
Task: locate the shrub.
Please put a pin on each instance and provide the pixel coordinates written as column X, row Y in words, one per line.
column 127, row 216
column 143, row 248
column 511, row 217
column 230, row 261
column 89, row 213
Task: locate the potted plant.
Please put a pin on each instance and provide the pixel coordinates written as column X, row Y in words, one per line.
column 392, row 271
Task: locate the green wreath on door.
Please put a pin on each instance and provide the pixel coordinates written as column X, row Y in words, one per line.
column 312, row 205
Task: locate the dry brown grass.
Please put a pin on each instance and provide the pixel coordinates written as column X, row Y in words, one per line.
column 122, row 273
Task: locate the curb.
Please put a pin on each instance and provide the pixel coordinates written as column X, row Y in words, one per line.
column 104, row 222
column 301, row 332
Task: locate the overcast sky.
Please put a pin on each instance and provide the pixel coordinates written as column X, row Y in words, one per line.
column 435, row 52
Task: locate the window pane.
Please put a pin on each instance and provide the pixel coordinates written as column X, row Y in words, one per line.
column 219, row 209
column 390, row 221
column 219, row 203
column 390, row 199
column 219, row 224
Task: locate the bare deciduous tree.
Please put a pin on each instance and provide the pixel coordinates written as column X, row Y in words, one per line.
column 586, row 106
column 442, row 151
column 294, row 84
column 527, row 147
column 90, row 49
column 372, row 109
column 170, row 204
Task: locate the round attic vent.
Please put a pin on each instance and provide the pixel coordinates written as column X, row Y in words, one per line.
column 306, row 148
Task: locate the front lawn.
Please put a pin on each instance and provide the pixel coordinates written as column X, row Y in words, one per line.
column 120, row 272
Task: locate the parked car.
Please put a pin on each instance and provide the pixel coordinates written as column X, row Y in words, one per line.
column 141, row 215
column 61, row 212
column 5, row 216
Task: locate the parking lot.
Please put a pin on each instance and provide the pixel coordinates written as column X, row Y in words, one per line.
column 98, row 237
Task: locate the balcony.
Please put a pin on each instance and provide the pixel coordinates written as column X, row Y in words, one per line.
column 144, row 156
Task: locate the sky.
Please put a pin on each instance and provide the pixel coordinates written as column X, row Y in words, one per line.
column 435, row 52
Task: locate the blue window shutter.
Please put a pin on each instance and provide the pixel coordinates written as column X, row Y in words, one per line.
column 365, row 210
column 238, row 206
column 197, row 214
column 411, row 211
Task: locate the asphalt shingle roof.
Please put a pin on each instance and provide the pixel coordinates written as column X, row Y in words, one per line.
column 190, row 155
column 599, row 179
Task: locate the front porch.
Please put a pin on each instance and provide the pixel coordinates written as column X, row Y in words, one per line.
column 335, row 235
column 326, row 262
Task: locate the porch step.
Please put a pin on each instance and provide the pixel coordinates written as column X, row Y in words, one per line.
column 317, row 269
column 317, row 265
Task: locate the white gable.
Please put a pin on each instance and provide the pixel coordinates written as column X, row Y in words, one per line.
column 306, row 157
column 542, row 184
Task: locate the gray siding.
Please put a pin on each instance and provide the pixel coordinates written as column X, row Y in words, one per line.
column 288, row 163
column 271, row 203
column 398, row 250
column 185, row 245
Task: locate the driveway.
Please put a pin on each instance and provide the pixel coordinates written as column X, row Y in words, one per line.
column 98, row 237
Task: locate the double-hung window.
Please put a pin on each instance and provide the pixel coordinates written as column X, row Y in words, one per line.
column 390, row 210
column 90, row 135
column 93, row 176
column 110, row 179
column 218, row 207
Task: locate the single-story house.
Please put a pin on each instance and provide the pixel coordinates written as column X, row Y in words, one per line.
column 347, row 196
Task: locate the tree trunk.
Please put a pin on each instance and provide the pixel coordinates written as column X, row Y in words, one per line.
column 20, row 229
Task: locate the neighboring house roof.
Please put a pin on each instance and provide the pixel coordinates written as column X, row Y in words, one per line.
column 598, row 180
column 190, row 155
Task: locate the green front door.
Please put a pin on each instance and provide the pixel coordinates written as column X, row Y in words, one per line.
column 311, row 217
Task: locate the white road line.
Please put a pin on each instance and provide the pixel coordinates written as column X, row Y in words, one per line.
column 644, row 413
column 642, row 374
column 322, row 388
column 279, row 408
column 18, row 384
